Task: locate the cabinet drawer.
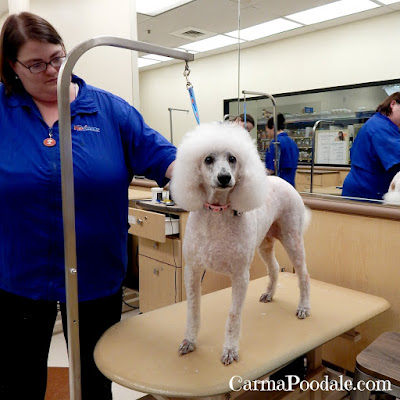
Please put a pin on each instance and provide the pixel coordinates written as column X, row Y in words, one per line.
column 147, row 224
column 169, row 252
column 160, row 284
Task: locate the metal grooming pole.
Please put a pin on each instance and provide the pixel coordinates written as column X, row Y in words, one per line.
column 170, row 119
column 276, row 143
column 67, row 186
column 314, row 129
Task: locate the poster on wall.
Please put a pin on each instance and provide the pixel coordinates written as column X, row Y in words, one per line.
column 332, row 147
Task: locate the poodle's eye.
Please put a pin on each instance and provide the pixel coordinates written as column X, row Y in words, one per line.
column 232, row 159
column 209, row 160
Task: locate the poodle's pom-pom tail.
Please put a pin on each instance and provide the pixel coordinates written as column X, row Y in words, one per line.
column 187, row 184
column 392, row 198
column 393, row 194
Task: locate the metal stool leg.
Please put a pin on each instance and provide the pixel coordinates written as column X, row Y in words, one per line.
column 360, row 394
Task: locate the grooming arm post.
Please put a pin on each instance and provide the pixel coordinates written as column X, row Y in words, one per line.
column 170, row 119
column 67, row 186
column 314, row 130
column 276, row 143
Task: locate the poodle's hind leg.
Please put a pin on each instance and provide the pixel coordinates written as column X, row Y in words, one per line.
column 230, row 350
column 193, row 293
column 267, row 254
column 294, row 246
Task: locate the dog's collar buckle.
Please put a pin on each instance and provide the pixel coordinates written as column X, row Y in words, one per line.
column 216, row 208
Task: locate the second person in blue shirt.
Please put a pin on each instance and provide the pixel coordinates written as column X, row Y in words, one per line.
column 288, row 154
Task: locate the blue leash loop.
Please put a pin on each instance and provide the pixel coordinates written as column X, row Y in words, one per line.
column 189, row 87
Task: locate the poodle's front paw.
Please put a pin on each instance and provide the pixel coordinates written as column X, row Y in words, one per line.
column 229, row 356
column 303, row 312
column 186, row 347
column 266, row 297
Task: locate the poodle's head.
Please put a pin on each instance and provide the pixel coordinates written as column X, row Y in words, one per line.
column 218, row 158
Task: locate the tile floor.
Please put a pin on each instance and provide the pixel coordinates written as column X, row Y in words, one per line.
column 58, row 358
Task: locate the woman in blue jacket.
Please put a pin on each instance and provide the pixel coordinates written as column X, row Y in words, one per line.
column 288, row 152
column 110, row 143
column 375, row 154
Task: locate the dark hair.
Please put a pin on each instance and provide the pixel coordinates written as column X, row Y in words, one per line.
column 384, row 108
column 17, row 30
column 281, row 123
column 249, row 118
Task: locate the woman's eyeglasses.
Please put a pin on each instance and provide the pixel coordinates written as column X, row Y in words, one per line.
column 42, row 66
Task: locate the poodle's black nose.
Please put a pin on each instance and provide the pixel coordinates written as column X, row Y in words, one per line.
column 224, row 179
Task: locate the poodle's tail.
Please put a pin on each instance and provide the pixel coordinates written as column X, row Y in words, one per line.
column 392, row 198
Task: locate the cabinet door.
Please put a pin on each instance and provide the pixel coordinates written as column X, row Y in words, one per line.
column 159, row 284
column 169, row 252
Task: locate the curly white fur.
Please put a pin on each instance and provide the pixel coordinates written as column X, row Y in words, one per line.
column 392, row 197
column 218, row 137
column 218, row 164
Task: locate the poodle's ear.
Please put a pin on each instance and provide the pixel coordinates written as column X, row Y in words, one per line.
column 186, row 180
column 251, row 186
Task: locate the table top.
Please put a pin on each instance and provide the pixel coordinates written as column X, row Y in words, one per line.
column 141, row 352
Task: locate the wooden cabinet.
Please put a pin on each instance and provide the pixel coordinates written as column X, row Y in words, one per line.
column 160, row 273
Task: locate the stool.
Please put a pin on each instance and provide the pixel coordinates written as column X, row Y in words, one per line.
column 380, row 361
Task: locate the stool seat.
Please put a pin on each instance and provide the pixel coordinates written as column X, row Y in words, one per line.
column 378, row 362
column 381, row 359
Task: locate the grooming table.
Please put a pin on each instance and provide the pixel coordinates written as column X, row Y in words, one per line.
column 141, row 352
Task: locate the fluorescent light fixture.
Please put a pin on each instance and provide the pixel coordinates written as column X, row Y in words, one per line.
column 145, row 62
column 156, row 57
column 265, row 29
column 331, row 11
column 211, row 43
column 187, row 51
column 390, row 89
column 388, row 1
column 155, row 7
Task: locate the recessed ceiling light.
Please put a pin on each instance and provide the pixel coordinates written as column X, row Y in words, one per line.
column 388, row 1
column 187, row 51
column 331, row 11
column 155, row 7
column 211, row 43
column 265, row 29
column 145, row 62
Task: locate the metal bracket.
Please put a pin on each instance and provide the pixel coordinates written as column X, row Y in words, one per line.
column 276, row 143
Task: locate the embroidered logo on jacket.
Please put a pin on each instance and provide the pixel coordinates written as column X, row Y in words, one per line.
column 86, row 128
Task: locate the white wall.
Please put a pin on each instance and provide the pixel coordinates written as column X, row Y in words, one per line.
column 106, row 67
column 362, row 51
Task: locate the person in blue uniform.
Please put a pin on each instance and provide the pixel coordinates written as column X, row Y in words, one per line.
column 111, row 143
column 375, row 154
column 288, row 150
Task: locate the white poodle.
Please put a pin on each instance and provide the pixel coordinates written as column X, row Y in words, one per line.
column 392, row 197
column 234, row 209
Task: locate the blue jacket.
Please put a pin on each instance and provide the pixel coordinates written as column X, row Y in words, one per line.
column 289, row 157
column 110, row 144
column 375, row 158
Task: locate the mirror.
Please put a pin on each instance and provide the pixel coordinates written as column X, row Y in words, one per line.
column 316, row 57
column 324, row 162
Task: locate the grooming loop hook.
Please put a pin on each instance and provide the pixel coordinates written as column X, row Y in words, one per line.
column 186, row 74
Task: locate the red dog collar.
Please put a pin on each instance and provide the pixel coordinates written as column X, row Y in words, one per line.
column 215, row 208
